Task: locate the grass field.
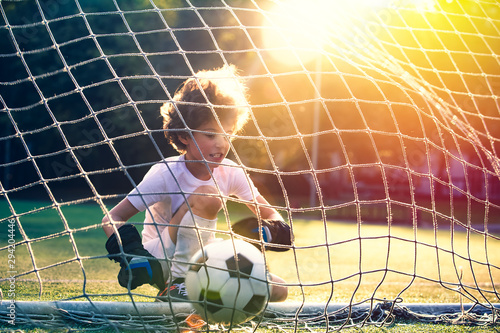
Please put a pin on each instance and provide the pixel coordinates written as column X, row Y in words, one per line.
column 361, row 261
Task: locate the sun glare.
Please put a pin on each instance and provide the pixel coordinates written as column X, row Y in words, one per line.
column 296, row 31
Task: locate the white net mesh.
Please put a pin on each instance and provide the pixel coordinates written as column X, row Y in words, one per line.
column 374, row 131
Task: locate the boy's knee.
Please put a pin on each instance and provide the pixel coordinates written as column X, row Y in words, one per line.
column 279, row 291
column 205, row 202
column 279, row 294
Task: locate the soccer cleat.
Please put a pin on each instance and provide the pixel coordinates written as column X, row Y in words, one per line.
column 173, row 292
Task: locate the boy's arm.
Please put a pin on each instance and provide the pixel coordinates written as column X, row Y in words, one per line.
column 119, row 215
column 266, row 213
column 271, row 225
column 124, row 246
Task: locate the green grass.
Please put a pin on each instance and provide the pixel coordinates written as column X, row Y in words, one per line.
column 363, row 262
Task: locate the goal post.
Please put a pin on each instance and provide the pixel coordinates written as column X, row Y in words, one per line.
column 374, row 131
column 128, row 315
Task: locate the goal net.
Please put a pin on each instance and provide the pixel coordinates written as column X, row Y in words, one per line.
column 374, row 131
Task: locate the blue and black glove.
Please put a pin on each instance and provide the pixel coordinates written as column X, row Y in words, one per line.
column 138, row 266
column 273, row 232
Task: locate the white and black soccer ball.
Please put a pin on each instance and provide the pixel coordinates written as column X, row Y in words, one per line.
column 227, row 282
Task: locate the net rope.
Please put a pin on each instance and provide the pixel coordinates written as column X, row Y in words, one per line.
column 377, row 126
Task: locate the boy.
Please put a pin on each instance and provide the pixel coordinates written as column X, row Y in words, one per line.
column 182, row 195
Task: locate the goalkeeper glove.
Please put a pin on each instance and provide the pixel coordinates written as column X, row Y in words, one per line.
column 138, row 266
column 273, row 232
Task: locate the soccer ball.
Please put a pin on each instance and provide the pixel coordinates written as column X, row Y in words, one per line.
column 227, row 282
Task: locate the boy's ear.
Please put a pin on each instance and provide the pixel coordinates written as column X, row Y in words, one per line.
column 182, row 136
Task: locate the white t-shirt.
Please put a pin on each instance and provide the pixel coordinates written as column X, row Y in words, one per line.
column 168, row 184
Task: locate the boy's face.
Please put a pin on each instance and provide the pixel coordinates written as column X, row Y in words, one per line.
column 209, row 142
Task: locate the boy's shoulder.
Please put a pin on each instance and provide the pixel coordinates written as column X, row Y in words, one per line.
column 228, row 162
column 169, row 163
column 176, row 164
column 230, row 167
column 172, row 159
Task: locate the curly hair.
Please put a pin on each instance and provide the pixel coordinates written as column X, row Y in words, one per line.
column 214, row 93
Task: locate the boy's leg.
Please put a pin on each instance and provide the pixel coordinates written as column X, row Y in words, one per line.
column 279, row 292
column 196, row 222
column 204, row 203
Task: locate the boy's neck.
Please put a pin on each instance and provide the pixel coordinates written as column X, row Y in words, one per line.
column 198, row 169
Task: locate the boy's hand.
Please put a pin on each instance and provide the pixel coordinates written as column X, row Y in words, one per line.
column 273, row 232
column 140, row 270
column 138, row 266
